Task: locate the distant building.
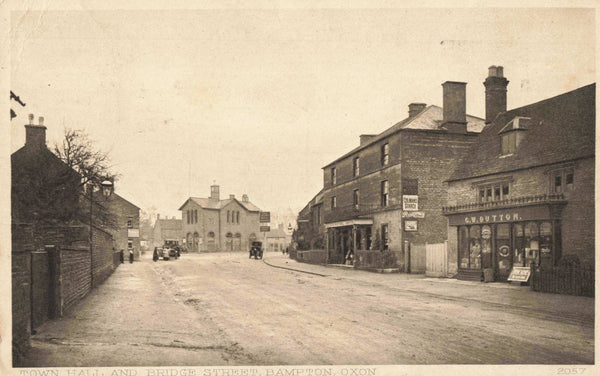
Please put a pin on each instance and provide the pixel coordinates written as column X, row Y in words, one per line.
column 211, row 224
column 310, row 228
column 277, row 239
column 127, row 230
column 167, row 230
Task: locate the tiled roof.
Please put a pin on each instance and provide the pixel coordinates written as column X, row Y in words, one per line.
column 207, row 203
column 561, row 128
column 428, row 119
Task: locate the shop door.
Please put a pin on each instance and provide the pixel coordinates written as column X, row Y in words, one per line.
column 504, row 259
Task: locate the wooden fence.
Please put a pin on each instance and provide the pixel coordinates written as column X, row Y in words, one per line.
column 436, row 260
column 570, row 280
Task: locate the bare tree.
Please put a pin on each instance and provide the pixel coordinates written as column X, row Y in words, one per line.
column 78, row 152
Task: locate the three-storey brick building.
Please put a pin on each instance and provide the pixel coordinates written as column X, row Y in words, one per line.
column 392, row 186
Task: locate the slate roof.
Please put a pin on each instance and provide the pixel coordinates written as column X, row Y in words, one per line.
column 428, row 119
column 207, row 203
column 561, row 128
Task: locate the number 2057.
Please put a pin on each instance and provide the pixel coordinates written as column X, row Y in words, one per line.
column 570, row 371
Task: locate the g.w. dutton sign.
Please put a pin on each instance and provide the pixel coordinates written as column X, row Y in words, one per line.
column 504, row 215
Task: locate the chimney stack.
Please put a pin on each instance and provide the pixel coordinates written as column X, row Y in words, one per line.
column 365, row 138
column 245, row 198
column 214, row 192
column 495, row 93
column 157, row 216
column 231, row 197
column 455, row 106
column 35, row 135
column 415, row 108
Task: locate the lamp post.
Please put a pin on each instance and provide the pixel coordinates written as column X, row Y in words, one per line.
column 106, row 188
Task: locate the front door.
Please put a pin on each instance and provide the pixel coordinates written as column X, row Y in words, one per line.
column 504, row 253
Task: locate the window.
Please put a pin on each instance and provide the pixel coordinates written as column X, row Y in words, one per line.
column 195, row 216
column 385, row 154
column 318, row 215
column 562, row 181
column 228, row 215
column 356, row 166
column 385, row 240
column 333, row 202
column 493, row 192
column 129, row 244
column 509, row 143
column 237, row 217
column 333, row 176
column 130, row 223
column 187, row 213
column 356, row 199
column 384, row 193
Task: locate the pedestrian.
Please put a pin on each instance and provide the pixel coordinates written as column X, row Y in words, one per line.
column 121, row 257
column 131, row 256
column 155, row 254
column 178, row 252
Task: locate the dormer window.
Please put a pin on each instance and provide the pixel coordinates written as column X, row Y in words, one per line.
column 512, row 134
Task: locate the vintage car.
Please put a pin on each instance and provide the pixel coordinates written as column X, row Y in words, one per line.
column 163, row 253
column 256, row 250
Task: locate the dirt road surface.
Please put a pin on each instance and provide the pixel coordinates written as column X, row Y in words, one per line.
column 226, row 309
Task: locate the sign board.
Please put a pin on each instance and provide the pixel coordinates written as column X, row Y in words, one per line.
column 265, row 228
column 413, row 214
column 410, row 226
column 265, row 217
column 519, row 274
column 410, row 202
column 133, row 232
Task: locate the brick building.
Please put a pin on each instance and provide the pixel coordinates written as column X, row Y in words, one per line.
column 127, row 227
column 391, row 186
column 525, row 194
column 277, row 240
column 310, row 230
column 211, row 224
column 167, row 230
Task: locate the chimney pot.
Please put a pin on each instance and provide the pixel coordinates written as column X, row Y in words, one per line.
column 41, row 120
column 232, row 196
column 495, row 93
column 30, row 119
column 244, row 198
column 415, row 108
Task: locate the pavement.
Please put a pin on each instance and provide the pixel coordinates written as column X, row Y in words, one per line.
column 577, row 310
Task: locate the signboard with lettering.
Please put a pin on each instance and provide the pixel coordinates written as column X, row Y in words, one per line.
column 265, row 228
column 265, row 217
column 410, row 202
column 410, row 226
column 413, row 214
column 133, row 232
column 518, row 214
column 519, row 274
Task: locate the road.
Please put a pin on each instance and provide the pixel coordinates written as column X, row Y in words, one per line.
column 225, row 309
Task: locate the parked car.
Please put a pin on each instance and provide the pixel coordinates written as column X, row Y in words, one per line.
column 163, row 253
column 256, row 250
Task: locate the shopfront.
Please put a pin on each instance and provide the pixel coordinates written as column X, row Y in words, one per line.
column 344, row 237
column 500, row 240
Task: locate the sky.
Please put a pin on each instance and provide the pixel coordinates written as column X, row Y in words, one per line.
column 259, row 100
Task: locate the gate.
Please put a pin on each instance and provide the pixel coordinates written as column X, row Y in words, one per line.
column 436, row 259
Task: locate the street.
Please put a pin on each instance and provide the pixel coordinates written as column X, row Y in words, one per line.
column 226, row 309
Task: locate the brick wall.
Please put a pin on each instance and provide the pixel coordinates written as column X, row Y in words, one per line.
column 75, row 272
column 22, row 245
column 102, row 258
column 40, row 282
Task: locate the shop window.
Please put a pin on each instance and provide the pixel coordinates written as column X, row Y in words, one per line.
column 356, row 196
column 385, row 154
column 129, row 244
column 546, row 244
column 519, row 245
column 356, row 167
column 333, row 176
column 463, row 239
column 493, row 192
column 475, row 247
column 503, row 250
column 384, row 193
column 532, row 244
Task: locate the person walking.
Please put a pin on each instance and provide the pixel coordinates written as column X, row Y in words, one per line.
column 155, row 254
column 131, row 256
column 121, row 256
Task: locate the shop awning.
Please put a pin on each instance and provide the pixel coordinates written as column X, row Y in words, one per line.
column 350, row 222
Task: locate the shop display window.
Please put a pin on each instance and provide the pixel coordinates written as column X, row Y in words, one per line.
column 475, row 247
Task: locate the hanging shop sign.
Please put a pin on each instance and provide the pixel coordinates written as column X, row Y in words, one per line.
column 519, row 274
column 410, row 202
column 410, row 226
column 265, row 217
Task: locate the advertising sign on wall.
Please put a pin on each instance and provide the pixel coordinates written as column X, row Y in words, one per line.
column 410, row 202
column 410, row 226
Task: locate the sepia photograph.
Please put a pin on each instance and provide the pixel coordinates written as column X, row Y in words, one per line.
column 297, row 188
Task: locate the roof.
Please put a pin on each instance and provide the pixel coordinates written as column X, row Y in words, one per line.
column 169, row 224
column 207, row 203
column 115, row 195
column 276, row 233
column 430, row 119
column 560, row 129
